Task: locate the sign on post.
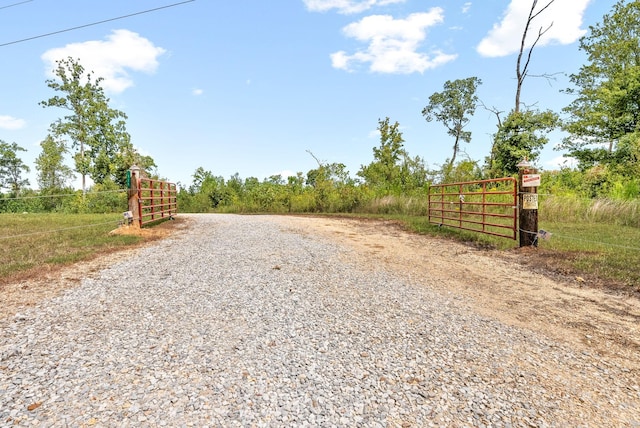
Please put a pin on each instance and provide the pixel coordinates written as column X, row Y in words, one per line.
column 531, row 180
column 528, row 181
column 529, row 201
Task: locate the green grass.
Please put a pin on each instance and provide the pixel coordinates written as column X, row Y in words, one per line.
column 29, row 242
column 604, row 250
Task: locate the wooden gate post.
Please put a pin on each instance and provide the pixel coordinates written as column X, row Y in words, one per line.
column 528, row 182
column 134, row 189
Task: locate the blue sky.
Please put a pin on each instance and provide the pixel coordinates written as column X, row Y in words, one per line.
column 249, row 86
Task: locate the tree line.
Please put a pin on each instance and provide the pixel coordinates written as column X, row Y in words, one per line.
column 601, row 125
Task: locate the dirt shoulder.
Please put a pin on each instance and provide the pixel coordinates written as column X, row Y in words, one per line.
column 502, row 285
column 29, row 288
column 495, row 284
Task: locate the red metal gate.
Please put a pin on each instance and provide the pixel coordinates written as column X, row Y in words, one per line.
column 486, row 206
column 157, row 200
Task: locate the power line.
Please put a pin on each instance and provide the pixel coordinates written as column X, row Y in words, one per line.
column 59, row 195
column 15, row 4
column 95, row 23
column 588, row 241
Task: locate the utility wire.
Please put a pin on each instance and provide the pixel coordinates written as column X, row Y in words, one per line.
column 95, row 23
column 604, row 244
column 60, row 195
column 15, row 4
column 600, row 243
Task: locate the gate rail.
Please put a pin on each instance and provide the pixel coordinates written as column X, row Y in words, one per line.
column 486, row 206
column 157, row 200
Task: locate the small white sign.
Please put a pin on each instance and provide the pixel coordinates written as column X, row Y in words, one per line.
column 530, row 180
column 530, row 201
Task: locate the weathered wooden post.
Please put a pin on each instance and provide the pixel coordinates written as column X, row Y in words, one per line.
column 133, row 178
column 528, row 182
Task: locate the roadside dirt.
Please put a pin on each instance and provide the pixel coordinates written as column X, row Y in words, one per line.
column 507, row 286
column 28, row 288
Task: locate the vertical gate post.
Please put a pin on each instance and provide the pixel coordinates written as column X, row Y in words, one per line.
column 134, row 189
column 527, row 204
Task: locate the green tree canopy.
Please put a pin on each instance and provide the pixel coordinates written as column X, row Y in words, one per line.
column 12, row 168
column 384, row 171
column 53, row 174
column 607, row 88
column 521, row 135
column 393, row 170
column 97, row 132
column 453, row 107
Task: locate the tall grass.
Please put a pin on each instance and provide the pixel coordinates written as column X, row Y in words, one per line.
column 394, row 205
column 607, row 211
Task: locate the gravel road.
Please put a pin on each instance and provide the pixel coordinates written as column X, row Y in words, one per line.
column 247, row 321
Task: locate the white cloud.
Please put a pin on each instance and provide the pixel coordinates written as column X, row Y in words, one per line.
column 286, row 174
column 504, row 38
column 562, row 161
column 346, row 6
column 393, row 44
column 11, row 123
column 466, row 7
column 374, row 134
column 111, row 59
column 197, row 92
column 142, row 151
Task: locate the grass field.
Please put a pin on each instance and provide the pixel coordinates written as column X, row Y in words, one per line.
column 30, row 242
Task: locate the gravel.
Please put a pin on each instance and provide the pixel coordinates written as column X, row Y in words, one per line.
column 245, row 321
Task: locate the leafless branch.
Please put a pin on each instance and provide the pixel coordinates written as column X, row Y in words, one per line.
column 314, row 156
column 521, row 72
column 493, row 110
column 541, row 33
column 547, row 76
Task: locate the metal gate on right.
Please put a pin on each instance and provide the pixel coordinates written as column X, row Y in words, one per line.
column 485, row 206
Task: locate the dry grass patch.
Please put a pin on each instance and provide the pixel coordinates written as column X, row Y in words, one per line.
column 37, row 268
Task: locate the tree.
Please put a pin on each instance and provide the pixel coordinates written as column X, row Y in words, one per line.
column 522, row 135
column 53, row 174
column 96, row 131
column 123, row 160
column 384, row 171
column 453, row 107
column 12, row 167
column 326, row 180
column 508, row 142
column 607, row 88
column 464, row 170
column 210, row 188
column 199, row 178
column 522, row 71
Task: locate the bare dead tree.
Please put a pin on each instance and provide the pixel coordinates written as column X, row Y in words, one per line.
column 522, row 71
column 320, row 164
column 493, row 110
